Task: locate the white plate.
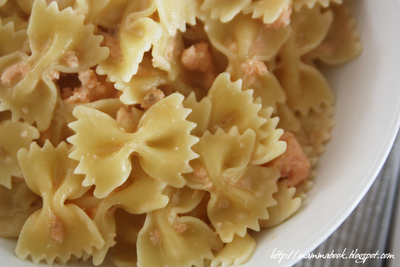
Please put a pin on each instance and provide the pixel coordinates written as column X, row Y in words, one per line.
column 368, row 105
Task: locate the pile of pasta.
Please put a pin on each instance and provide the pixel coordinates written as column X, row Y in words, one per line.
column 161, row 133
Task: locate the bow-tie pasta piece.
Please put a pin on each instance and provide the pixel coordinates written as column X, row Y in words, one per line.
column 13, row 137
column 287, row 118
column 235, row 253
column 230, row 106
column 162, row 142
column 49, row 43
column 224, row 10
column 311, row 91
column 11, row 40
column 139, row 195
column 59, row 230
column 305, row 186
column 105, row 13
column 27, row 81
column 184, row 242
column 244, row 204
column 227, row 106
column 298, row 4
column 59, row 130
column 302, row 40
column 232, row 153
column 342, row 41
column 316, row 128
column 135, row 36
column 248, row 44
column 10, row 10
column 286, row 205
column 174, row 15
column 25, row 103
column 16, row 205
column 269, row 147
column 201, row 113
column 183, row 200
column 100, row 148
column 240, row 193
column 167, row 52
column 243, row 39
column 26, row 5
column 275, row 13
column 168, row 239
column 165, row 149
column 317, row 19
column 143, row 87
column 266, row 86
column 305, row 87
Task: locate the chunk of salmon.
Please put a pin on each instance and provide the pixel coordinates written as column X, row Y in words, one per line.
column 56, row 228
column 91, row 89
column 283, row 19
column 293, row 164
column 253, row 67
column 153, row 96
column 111, row 40
column 72, row 59
column 127, row 119
column 198, row 58
column 200, row 174
column 13, row 73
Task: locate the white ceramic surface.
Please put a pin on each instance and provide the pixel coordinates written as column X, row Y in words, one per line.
column 368, row 106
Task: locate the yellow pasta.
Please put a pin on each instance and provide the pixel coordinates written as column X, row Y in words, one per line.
column 102, row 12
column 163, row 148
column 136, row 34
column 305, row 86
column 158, row 132
column 59, row 229
column 286, row 204
column 224, row 10
column 240, row 192
column 13, row 137
column 274, row 13
column 174, row 15
column 235, row 253
column 141, row 195
column 16, row 205
column 311, row 3
column 11, row 40
column 166, row 54
column 189, row 241
column 339, row 47
column 52, row 51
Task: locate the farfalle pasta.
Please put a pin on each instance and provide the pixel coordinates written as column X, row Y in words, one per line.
column 59, row 229
column 162, row 133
